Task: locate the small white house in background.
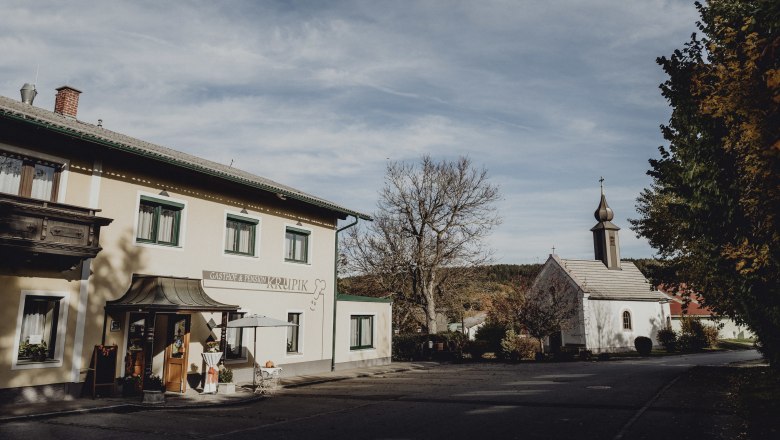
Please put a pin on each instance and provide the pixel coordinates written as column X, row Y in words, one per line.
column 471, row 325
column 727, row 328
column 616, row 303
column 364, row 331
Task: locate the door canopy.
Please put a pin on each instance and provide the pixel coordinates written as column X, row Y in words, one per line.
column 151, row 293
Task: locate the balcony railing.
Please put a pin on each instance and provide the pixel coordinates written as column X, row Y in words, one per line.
column 37, row 234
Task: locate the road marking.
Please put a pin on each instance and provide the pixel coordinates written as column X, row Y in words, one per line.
column 642, row 410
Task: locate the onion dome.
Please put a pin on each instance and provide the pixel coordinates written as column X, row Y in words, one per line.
column 603, row 213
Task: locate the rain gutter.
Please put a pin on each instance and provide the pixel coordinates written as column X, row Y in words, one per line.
column 335, row 290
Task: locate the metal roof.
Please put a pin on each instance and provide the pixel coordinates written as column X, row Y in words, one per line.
column 358, row 298
column 166, row 294
column 600, row 282
column 58, row 123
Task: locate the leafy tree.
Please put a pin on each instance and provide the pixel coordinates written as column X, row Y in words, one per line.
column 712, row 210
column 431, row 216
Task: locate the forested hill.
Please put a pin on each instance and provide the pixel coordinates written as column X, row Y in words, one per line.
column 505, row 274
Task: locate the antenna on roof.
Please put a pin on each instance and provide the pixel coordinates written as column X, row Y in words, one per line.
column 231, row 163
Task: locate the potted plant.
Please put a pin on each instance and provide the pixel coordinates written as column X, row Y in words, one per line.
column 131, row 385
column 33, row 352
column 226, row 385
column 153, row 390
column 212, row 347
column 193, row 376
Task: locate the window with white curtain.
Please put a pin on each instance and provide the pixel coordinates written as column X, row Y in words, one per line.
column 361, row 332
column 240, row 235
column 158, row 221
column 27, row 177
column 296, row 245
column 38, row 334
column 234, row 338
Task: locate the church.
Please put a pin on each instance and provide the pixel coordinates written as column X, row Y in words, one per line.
column 615, row 302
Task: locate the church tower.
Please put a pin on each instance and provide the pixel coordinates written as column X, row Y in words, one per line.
column 605, row 234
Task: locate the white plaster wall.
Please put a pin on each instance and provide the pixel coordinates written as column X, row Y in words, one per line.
column 605, row 323
column 728, row 329
column 202, row 248
column 383, row 329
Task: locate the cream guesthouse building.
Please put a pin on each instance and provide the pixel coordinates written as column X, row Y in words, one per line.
column 109, row 240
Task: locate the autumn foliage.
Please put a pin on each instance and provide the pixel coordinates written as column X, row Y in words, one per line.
column 712, row 210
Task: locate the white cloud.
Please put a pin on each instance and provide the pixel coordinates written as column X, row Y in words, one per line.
column 547, row 95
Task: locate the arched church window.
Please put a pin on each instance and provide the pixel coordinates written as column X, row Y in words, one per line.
column 626, row 320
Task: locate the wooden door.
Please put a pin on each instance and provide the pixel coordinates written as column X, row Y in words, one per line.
column 176, row 353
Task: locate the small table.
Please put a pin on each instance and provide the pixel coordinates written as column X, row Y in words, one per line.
column 268, row 378
column 212, row 372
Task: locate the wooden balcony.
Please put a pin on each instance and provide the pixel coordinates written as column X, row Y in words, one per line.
column 41, row 235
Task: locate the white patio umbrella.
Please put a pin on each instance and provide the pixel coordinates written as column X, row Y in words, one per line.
column 257, row 321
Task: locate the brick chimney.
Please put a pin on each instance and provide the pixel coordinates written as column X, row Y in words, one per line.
column 67, row 101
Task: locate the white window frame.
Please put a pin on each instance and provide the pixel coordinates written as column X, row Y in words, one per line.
column 630, row 317
column 258, row 229
column 373, row 332
column 244, row 352
column 309, row 244
column 64, row 171
column 182, row 222
column 62, row 327
column 301, row 325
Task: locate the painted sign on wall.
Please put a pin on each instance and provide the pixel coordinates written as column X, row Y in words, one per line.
column 262, row 282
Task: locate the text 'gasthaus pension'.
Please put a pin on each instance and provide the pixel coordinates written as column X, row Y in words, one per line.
column 266, row 281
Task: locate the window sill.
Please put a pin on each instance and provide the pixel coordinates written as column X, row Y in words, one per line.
column 28, row 364
column 241, row 360
column 361, row 348
column 150, row 244
column 236, row 254
column 294, row 354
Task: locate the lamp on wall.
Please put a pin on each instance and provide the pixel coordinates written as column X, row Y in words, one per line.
column 299, row 223
column 164, row 193
column 244, row 211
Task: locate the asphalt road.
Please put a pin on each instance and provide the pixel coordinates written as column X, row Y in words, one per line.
column 628, row 399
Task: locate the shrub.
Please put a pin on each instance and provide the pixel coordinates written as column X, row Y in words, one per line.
column 692, row 335
column 153, row 383
column 492, row 333
column 668, row 339
column 516, row 347
column 406, row 347
column 225, row 374
column 710, row 335
column 477, row 349
column 643, row 345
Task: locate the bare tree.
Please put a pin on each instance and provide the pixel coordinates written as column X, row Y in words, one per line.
column 431, row 216
column 548, row 307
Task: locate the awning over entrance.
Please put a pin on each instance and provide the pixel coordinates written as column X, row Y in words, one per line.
column 151, row 293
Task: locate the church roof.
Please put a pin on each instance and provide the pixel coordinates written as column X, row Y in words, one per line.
column 595, row 279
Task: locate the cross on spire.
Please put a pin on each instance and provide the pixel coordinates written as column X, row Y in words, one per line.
column 553, row 249
column 601, row 182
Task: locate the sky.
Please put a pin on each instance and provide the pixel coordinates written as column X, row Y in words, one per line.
column 547, row 96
